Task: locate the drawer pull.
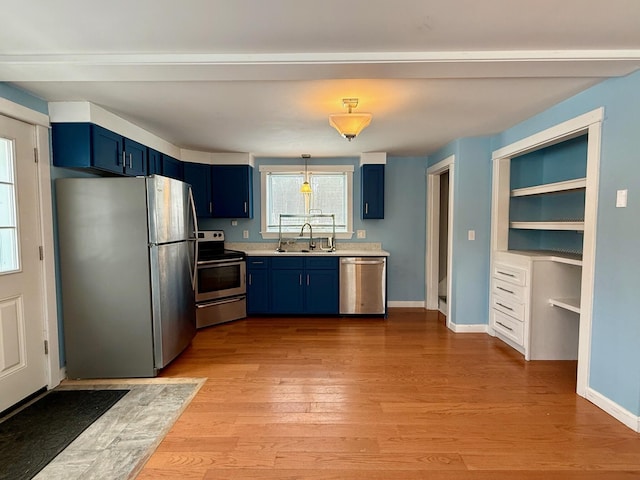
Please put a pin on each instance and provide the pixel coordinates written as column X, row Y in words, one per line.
column 507, row 274
column 503, row 325
column 257, row 263
column 505, row 290
column 504, row 306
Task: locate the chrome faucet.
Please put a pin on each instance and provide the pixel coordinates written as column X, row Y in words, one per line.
column 312, row 245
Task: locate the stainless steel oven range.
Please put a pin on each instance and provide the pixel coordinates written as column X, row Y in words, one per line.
column 220, row 281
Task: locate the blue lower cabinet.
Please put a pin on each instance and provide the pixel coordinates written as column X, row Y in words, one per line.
column 304, row 285
column 287, row 292
column 257, row 285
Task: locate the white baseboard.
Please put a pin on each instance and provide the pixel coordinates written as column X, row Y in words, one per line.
column 460, row 328
column 612, row 408
column 401, row 304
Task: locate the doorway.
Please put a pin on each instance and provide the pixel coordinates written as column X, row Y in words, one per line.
column 440, row 189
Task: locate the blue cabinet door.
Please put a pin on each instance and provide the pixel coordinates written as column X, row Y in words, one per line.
column 199, row 176
column 232, row 191
column 321, row 292
column 107, row 150
column 135, row 158
column 287, row 292
column 257, row 291
column 172, row 167
column 154, row 162
column 372, row 191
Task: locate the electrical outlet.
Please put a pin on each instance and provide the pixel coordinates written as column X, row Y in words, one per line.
column 234, row 223
column 621, row 198
column 245, row 234
column 361, row 234
column 471, row 234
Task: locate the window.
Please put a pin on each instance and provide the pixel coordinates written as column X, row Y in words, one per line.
column 331, row 187
column 8, row 212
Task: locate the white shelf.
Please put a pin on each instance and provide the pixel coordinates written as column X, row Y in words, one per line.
column 571, row 304
column 578, row 226
column 577, row 184
column 555, row 256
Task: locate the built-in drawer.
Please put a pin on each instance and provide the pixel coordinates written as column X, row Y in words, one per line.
column 509, row 307
column 508, row 327
column 257, row 263
column 507, row 273
column 507, row 290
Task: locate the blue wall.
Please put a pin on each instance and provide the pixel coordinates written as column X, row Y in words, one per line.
column 472, row 211
column 402, row 232
column 615, row 351
column 23, row 98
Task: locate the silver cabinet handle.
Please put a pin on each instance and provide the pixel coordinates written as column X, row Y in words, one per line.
column 130, row 161
column 366, row 208
column 124, row 159
column 504, row 306
column 506, row 274
column 505, row 290
column 503, row 325
column 300, row 279
column 250, row 281
column 245, row 207
column 307, row 279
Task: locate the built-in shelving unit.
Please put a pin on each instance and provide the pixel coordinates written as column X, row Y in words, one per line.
column 571, row 304
column 566, row 186
column 561, row 225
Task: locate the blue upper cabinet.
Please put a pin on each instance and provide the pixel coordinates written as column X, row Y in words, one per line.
column 199, row 176
column 172, row 167
column 135, row 158
column 85, row 145
column 232, row 191
column 372, row 188
column 154, row 162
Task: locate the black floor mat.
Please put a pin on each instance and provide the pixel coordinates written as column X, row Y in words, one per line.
column 31, row 438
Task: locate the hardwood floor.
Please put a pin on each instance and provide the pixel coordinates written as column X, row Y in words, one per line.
column 402, row 398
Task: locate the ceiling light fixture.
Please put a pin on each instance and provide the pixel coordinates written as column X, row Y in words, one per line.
column 306, row 187
column 349, row 125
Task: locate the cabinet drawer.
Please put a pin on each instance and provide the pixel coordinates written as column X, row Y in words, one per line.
column 512, row 308
column 287, row 263
column 508, row 327
column 257, row 263
column 326, row 263
column 507, row 273
column 507, row 290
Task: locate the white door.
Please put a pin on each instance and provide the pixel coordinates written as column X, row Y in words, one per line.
column 22, row 355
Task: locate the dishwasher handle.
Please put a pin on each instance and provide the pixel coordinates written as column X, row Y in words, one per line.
column 361, row 261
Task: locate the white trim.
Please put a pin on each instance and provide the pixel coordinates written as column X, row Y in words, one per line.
column 216, row 158
column 49, row 302
column 19, row 112
column 405, row 304
column 612, row 408
column 266, row 169
column 433, row 222
column 311, row 169
column 88, row 112
column 591, row 123
column 561, row 132
column 461, row 328
column 379, row 158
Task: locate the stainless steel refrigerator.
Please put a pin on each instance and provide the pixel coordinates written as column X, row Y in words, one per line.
column 127, row 266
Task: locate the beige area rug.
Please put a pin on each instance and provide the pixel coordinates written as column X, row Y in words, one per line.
column 118, row 444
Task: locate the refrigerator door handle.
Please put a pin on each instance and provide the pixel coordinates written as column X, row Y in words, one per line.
column 193, row 268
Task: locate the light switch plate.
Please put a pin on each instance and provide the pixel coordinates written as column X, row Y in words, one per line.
column 361, row 234
column 471, row 234
column 234, row 223
column 621, row 198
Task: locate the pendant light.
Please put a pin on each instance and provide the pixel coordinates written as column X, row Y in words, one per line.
column 306, row 187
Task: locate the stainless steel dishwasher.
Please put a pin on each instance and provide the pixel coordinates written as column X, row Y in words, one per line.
column 363, row 285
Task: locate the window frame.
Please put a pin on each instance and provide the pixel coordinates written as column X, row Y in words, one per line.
column 13, row 203
column 299, row 169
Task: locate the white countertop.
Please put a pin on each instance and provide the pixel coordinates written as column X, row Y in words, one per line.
column 319, row 253
column 343, row 249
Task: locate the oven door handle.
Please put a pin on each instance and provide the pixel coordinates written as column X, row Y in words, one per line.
column 194, row 268
column 220, row 302
column 208, row 263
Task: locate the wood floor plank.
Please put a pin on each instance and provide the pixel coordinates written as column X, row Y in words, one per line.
column 401, row 398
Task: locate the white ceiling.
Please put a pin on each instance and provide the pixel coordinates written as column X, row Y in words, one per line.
column 262, row 76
